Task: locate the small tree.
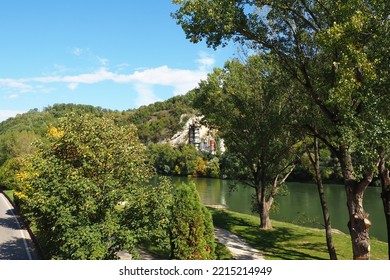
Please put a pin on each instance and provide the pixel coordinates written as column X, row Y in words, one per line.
column 191, row 229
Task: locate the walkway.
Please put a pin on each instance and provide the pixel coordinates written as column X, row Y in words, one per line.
column 15, row 241
column 239, row 248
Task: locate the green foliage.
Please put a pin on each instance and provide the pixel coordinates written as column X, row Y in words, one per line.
column 8, row 172
column 191, row 228
column 74, row 188
column 213, row 170
column 15, row 145
column 249, row 104
column 250, row 109
column 183, row 160
column 231, row 167
column 161, row 120
column 187, row 159
column 163, row 157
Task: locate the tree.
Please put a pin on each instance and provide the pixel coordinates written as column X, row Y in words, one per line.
column 384, row 175
column 87, row 190
column 315, row 162
column 17, row 146
column 332, row 50
column 191, row 230
column 213, row 169
column 248, row 104
column 187, row 159
column 163, row 157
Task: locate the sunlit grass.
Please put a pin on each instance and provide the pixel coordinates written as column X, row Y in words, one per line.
column 10, row 194
column 290, row 242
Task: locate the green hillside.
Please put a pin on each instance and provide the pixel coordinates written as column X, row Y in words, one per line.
column 155, row 122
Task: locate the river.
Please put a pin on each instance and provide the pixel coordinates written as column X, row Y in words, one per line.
column 301, row 204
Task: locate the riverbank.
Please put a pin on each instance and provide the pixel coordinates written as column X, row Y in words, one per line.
column 288, row 241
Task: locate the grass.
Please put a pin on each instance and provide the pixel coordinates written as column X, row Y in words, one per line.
column 290, row 242
column 10, row 194
column 222, row 252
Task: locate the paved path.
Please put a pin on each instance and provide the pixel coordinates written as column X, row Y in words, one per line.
column 15, row 242
column 239, row 248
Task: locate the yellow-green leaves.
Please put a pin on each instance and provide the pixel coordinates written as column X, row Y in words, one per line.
column 71, row 189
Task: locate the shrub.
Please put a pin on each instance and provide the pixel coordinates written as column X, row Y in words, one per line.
column 191, row 230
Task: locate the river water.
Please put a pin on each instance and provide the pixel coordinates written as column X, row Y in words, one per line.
column 301, row 204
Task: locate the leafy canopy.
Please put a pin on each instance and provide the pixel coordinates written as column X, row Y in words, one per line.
column 87, row 190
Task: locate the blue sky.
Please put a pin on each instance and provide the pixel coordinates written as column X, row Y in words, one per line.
column 117, row 54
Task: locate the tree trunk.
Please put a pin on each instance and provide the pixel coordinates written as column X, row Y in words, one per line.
column 264, row 218
column 325, row 212
column 264, row 207
column 358, row 219
column 385, row 195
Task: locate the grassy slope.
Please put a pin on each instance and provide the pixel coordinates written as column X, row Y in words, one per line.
column 290, row 242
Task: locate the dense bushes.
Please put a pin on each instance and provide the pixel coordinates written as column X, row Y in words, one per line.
column 87, row 192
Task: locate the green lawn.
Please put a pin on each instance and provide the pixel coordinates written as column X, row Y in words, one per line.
column 290, row 242
column 10, row 194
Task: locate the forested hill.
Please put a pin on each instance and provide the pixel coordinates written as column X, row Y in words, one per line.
column 155, row 122
column 161, row 120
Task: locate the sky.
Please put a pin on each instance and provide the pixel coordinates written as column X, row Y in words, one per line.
column 116, row 54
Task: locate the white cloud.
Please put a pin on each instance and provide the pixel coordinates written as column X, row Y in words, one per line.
column 15, row 84
column 100, row 75
column 77, row 51
column 205, row 62
column 13, row 96
column 145, row 95
column 143, row 80
column 103, row 61
column 5, row 114
column 73, row 86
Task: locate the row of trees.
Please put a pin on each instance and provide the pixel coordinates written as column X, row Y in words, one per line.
column 322, row 74
column 87, row 191
column 185, row 160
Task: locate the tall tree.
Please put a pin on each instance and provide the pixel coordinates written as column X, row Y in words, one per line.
column 248, row 103
column 315, row 162
column 329, row 48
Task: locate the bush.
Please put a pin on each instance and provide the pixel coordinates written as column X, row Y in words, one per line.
column 191, row 230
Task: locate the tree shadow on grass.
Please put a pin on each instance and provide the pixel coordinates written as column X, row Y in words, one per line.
column 273, row 243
